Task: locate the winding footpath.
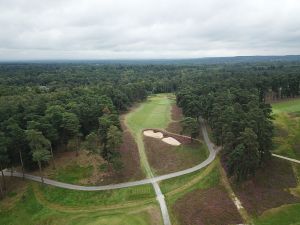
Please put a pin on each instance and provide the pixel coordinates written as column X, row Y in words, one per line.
column 211, row 157
column 151, row 180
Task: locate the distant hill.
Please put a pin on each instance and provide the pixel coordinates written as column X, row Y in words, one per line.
column 194, row 61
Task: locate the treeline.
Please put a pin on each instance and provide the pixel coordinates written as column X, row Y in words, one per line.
column 49, row 108
column 240, row 123
column 234, row 101
column 33, row 126
column 45, row 107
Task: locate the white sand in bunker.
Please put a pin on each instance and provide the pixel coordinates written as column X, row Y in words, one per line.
column 159, row 135
column 151, row 133
column 171, row 141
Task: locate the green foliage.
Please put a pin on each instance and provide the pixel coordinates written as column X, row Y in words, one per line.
column 92, row 143
column 244, row 159
column 114, row 140
column 4, row 158
column 70, row 124
column 63, row 100
column 191, row 126
column 39, row 146
column 103, row 167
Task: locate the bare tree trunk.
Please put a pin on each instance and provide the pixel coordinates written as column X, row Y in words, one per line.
column 41, row 173
column 21, row 159
column 51, row 150
column 3, row 179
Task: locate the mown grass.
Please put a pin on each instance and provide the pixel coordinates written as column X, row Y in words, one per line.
column 28, row 211
column 287, row 106
column 73, row 173
column 67, row 197
column 154, row 113
column 287, row 128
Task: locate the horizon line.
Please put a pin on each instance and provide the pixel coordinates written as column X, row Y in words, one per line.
column 143, row 59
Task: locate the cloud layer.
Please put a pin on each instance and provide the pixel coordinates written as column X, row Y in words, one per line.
column 107, row 29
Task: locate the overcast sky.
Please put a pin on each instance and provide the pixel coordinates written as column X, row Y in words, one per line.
column 121, row 29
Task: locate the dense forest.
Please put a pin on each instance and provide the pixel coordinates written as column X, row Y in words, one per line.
column 46, row 107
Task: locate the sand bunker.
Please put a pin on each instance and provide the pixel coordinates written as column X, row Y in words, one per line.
column 171, row 141
column 159, row 135
column 151, row 133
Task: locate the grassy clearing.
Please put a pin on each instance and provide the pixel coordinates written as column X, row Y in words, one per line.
column 73, row 173
column 28, row 210
column 287, row 128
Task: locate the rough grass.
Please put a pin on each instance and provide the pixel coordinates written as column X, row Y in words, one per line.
column 175, row 158
column 193, row 198
column 15, row 188
column 208, row 207
column 176, row 116
column 28, row 210
column 269, row 189
column 177, row 184
column 208, row 179
column 286, row 214
column 72, row 173
column 131, row 169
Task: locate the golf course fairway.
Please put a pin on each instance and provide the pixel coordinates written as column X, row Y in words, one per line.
column 153, row 113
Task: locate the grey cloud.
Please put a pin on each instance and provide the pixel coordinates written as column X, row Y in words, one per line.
column 70, row 29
